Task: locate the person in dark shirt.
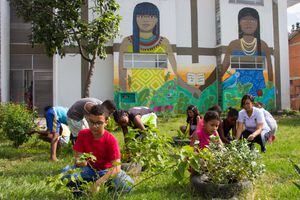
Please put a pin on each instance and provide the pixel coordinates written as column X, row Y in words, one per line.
column 229, row 124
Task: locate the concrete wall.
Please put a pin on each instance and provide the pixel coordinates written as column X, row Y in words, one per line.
column 284, row 55
column 66, row 79
column 102, row 80
column 5, row 32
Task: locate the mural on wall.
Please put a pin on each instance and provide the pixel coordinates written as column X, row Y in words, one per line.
column 148, row 74
column 247, row 66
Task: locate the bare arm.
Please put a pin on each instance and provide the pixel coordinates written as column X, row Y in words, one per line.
column 259, row 128
column 138, row 122
column 221, row 133
column 266, row 49
column 170, row 54
column 226, row 61
column 239, row 130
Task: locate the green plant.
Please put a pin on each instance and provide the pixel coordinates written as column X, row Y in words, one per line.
column 149, row 149
column 111, row 125
column 222, row 165
column 297, row 169
column 290, row 112
column 17, row 123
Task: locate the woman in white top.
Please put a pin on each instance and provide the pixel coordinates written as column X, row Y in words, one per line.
column 251, row 123
column 270, row 121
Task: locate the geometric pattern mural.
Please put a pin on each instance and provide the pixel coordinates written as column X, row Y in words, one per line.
column 147, row 78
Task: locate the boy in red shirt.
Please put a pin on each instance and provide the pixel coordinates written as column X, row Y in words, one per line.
column 104, row 146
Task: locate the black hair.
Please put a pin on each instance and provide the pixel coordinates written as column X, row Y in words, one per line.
column 217, row 109
column 253, row 13
column 259, row 104
column 98, row 110
column 232, row 112
column 245, row 97
column 109, row 106
column 118, row 114
column 211, row 115
column 195, row 110
column 47, row 108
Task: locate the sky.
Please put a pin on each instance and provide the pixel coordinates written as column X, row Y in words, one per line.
column 293, row 14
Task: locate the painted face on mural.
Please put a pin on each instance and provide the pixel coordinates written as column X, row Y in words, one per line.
column 146, row 23
column 248, row 25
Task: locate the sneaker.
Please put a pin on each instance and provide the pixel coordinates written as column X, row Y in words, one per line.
column 271, row 138
column 263, row 148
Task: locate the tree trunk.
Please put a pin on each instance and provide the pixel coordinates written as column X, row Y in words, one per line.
column 88, row 78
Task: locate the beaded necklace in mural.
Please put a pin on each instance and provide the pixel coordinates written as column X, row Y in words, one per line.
column 249, row 48
column 149, row 44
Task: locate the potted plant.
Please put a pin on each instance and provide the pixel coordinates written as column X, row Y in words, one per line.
column 181, row 139
column 220, row 172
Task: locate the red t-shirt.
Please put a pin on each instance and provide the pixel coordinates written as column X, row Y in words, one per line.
column 105, row 149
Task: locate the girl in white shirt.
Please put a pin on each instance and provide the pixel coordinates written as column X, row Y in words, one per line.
column 251, row 123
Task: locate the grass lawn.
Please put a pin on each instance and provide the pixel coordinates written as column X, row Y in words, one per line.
column 23, row 171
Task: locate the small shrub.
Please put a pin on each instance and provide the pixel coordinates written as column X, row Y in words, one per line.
column 222, row 165
column 17, row 123
column 111, row 125
column 149, row 149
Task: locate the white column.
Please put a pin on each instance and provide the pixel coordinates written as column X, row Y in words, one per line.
column 284, row 55
column 55, row 79
column 5, row 55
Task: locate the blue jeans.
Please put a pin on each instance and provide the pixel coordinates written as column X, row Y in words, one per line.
column 121, row 181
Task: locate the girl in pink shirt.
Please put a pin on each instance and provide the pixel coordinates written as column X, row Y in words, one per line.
column 209, row 127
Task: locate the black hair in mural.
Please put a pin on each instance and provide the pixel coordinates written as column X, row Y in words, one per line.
column 144, row 8
column 253, row 13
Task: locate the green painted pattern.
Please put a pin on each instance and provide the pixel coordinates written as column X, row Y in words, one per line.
column 171, row 97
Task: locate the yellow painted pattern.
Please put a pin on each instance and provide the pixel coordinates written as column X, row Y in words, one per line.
column 147, row 78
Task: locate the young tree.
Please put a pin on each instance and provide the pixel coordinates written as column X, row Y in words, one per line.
column 59, row 23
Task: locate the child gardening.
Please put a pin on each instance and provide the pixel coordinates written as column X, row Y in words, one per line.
column 192, row 120
column 210, row 126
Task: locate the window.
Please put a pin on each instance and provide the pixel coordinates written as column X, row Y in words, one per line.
column 248, row 62
column 251, row 2
column 137, row 60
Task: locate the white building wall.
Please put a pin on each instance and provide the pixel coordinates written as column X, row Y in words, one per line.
column 206, row 24
column 66, row 79
column 183, row 24
column 102, row 80
column 284, row 55
column 5, row 54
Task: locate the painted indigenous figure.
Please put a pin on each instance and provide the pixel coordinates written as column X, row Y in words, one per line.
column 146, row 39
column 247, row 56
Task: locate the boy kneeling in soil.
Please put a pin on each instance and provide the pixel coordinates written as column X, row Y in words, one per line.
column 104, row 146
